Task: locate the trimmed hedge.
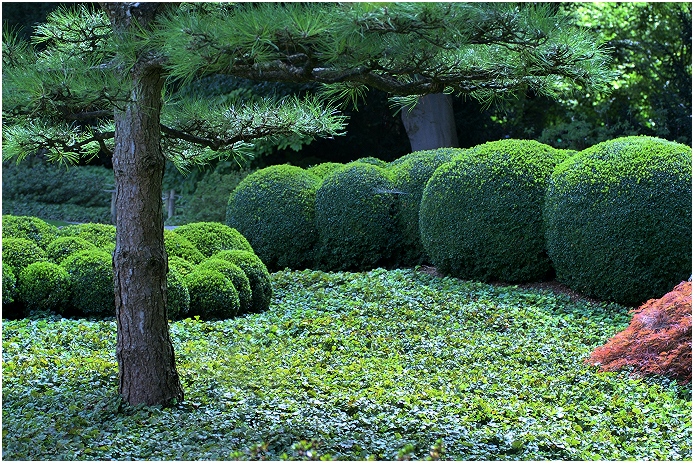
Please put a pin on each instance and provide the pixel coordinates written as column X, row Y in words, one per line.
column 373, row 161
column 481, row 214
column 31, row 228
column 18, row 253
column 92, row 277
column 101, row 235
column 212, row 295
column 275, row 208
column 322, row 170
column 177, row 296
column 44, row 286
column 64, row 246
column 212, row 237
column 181, row 265
column 258, row 277
column 178, row 246
column 238, row 278
column 9, row 284
column 619, row 219
column 355, row 216
column 411, row 174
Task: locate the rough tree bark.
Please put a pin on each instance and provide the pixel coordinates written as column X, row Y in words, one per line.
column 146, row 362
column 431, row 124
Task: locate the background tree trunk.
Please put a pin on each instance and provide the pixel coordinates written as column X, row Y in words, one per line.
column 145, row 354
column 431, row 123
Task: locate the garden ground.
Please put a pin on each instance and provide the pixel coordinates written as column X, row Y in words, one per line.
column 381, row 364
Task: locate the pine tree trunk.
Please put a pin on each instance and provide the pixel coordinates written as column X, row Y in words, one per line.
column 145, row 354
column 431, row 124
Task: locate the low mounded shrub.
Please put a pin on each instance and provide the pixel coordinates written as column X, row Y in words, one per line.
column 179, row 246
column 31, row 228
column 181, row 265
column 44, row 287
column 64, row 246
column 356, row 218
column 481, row 214
column 258, row 276
column 238, row 278
column 373, row 161
column 275, row 208
column 101, row 235
column 658, row 340
column 9, row 284
column 177, row 296
column 322, row 170
column 18, row 253
column 91, row 273
column 619, row 219
column 212, row 237
column 411, row 174
column 212, row 295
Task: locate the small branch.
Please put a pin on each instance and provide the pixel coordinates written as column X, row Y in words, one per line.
column 89, row 115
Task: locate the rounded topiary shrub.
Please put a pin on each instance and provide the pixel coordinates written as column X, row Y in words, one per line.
column 44, row 287
column 619, row 219
column 322, row 170
column 9, row 284
column 212, row 295
column 181, row 265
column 356, row 218
column 212, row 237
column 238, row 278
column 18, row 253
column 101, row 235
column 258, row 277
column 91, row 274
column 481, row 213
column 177, row 296
column 275, row 208
column 64, row 246
column 31, row 228
column 179, row 246
column 411, row 174
column 373, row 161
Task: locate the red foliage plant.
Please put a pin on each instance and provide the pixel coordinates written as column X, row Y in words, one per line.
column 658, row 341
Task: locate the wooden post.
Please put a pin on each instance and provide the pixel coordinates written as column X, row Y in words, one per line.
column 171, row 203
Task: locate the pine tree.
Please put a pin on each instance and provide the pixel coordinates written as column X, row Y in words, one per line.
column 118, row 80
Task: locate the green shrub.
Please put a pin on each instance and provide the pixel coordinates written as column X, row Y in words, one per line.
column 411, row 173
column 31, row 228
column 181, row 265
column 177, row 295
column 9, row 284
column 179, row 246
column 208, row 202
column 373, row 161
column 619, row 219
column 44, row 287
column 91, row 273
column 212, row 295
column 481, row 214
column 355, row 217
column 63, row 212
column 275, row 209
column 18, row 253
column 212, row 237
column 238, row 278
column 64, row 246
column 322, row 170
column 258, row 277
column 103, row 236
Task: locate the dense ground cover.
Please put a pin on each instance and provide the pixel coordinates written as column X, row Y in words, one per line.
column 382, row 364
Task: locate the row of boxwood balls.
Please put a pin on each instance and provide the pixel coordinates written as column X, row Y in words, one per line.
column 213, row 271
column 612, row 221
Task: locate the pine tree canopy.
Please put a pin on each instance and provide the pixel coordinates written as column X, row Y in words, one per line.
column 59, row 92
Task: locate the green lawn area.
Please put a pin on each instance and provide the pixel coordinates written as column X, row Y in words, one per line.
column 382, row 364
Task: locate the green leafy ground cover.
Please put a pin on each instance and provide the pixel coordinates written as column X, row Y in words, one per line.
column 382, row 364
